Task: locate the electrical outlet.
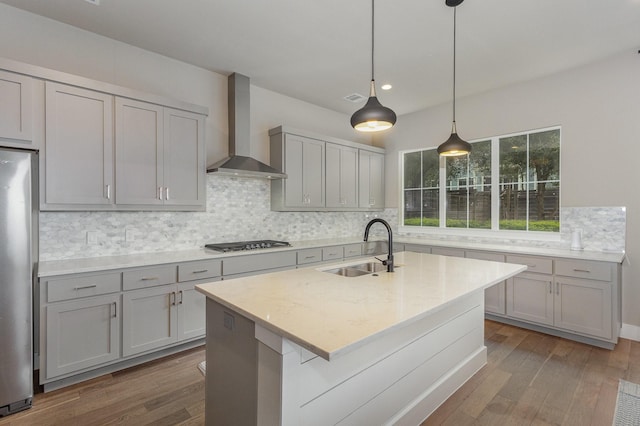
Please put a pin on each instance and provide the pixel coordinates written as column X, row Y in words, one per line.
column 228, row 321
column 92, row 237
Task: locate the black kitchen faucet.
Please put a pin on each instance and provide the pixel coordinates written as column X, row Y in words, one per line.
column 389, row 261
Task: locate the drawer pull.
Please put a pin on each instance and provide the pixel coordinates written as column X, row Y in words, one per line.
column 201, row 271
column 333, row 254
column 309, row 257
column 531, row 266
column 115, row 309
column 181, row 297
column 84, row 287
column 586, row 271
column 149, row 278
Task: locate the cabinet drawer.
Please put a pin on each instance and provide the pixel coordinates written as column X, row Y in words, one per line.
column 309, row 256
column 331, row 253
column 199, row 270
column 481, row 255
column 445, row 251
column 584, row 269
column 541, row 265
column 148, row 277
column 352, row 250
column 82, row 286
column 258, row 262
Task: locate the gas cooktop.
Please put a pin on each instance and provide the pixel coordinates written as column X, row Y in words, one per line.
column 247, row 245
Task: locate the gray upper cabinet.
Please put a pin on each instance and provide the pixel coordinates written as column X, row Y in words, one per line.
column 15, row 109
column 159, row 156
column 184, row 159
column 371, row 182
column 342, row 176
column 325, row 173
column 303, row 160
column 139, row 153
column 78, row 161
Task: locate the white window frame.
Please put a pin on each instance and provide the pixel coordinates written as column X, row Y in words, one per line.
column 494, row 232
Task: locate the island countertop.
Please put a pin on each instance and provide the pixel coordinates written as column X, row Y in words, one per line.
column 329, row 314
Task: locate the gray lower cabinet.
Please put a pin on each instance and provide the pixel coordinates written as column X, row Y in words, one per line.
column 494, row 296
column 150, row 319
column 92, row 320
column 82, row 334
column 15, row 109
column 579, row 299
column 80, row 330
column 79, row 125
column 530, row 298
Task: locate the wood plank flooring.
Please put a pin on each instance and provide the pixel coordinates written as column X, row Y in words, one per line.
column 530, row 379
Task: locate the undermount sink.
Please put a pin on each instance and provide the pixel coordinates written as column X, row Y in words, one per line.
column 357, row 270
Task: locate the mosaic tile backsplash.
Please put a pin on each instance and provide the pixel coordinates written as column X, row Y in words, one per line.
column 239, row 209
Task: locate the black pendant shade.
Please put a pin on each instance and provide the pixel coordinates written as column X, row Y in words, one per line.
column 455, row 145
column 373, row 117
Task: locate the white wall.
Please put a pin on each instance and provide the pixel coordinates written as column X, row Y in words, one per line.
column 598, row 107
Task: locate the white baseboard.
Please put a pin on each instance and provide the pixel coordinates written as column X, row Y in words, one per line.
column 631, row 332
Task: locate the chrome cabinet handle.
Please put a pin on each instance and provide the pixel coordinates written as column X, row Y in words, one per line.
column 115, row 309
column 108, row 192
column 201, row 271
column 166, row 193
column 84, row 287
column 148, row 278
column 309, row 257
column 160, row 193
column 181, row 297
column 586, row 271
column 172, row 298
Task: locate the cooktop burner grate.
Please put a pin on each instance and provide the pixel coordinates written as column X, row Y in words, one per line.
column 247, row 245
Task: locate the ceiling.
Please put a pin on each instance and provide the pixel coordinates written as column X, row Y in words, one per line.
column 320, row 50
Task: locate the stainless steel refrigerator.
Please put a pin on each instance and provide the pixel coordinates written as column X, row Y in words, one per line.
column 18, row 261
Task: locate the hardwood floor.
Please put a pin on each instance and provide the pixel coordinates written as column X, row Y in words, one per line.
column 530, row 379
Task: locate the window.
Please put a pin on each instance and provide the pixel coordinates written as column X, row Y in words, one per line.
column 459, row 192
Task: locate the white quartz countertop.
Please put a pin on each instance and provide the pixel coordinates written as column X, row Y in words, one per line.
column 94, row 264
column 330, row 314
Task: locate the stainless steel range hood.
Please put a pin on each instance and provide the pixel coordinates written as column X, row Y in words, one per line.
column 239, row 162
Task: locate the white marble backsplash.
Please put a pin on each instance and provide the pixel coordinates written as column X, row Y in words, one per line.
column 239, row 209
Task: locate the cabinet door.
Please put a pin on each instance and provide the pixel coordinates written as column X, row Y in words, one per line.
column 191, row 312
column 15, row 106
column 530, row 298
column 371, row 182
column 341, row 176
column 81, row 334
column 304, row 165
column 79, row 147
column 184, row 159
column 149, row 319
column 139, row 153
column 584, row 306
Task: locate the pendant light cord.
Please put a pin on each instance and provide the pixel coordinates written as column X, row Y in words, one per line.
column 372, row 37
column 454, row 64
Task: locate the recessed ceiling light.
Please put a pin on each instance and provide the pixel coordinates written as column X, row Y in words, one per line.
column 386, row 87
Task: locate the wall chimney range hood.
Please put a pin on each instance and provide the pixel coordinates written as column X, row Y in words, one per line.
column 239, row 163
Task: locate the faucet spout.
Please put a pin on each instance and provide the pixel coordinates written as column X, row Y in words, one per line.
column 389, row 261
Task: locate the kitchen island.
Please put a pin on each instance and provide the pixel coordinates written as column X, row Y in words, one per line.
column 306, row 346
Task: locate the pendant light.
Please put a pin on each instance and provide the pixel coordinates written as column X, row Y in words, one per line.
column 373, row 117
column 454, row 146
